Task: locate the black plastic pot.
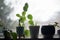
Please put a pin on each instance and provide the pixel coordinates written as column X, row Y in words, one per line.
column 20, row 31
column 6, row 35
column 58, row 31
column 48, row 31
column 34, row 31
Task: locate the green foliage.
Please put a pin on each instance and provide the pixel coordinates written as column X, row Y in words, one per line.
column 31, row 22
column 30, row 17
column 24, row 13
column 56, row 24
column 25, row 8
column 18, row 15
column 14, row 35
column 27, row 33
column 22, row 17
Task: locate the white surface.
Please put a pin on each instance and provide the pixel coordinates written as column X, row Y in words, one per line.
column 39, row 36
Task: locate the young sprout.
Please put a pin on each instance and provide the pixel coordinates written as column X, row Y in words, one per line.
column 56, row 24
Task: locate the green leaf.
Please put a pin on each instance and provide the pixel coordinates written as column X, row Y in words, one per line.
column 18, row 15
column 23, row 13
column 27, row 33
column 22, row 19
column 30, row 17
column 25, row 8
column 31, row 22
column 14, row 35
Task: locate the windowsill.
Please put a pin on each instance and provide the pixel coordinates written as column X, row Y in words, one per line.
column 40, row 36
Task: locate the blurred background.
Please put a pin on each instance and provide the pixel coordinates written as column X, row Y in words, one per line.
column 44, row 12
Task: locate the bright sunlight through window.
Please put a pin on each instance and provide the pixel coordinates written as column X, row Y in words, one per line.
column 42, row 10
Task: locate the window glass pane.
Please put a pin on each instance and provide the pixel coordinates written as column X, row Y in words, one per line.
column 43, row 11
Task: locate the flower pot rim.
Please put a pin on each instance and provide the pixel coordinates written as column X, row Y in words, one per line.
column 47, row 25
column 35, row 26
column 19, row 26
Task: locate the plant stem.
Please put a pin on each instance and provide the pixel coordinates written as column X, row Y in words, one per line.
column 19, row 23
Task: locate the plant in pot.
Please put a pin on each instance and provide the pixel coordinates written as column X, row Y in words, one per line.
column 34, row 29
column 48, row 31
column 58, row 31
column 22, row 19
column 4, row 31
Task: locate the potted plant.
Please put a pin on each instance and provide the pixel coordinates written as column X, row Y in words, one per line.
column 58, row 31
column 4, row 31
column 48, row 30
column 6, row 34
column 22, row 19
column 34, row 29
